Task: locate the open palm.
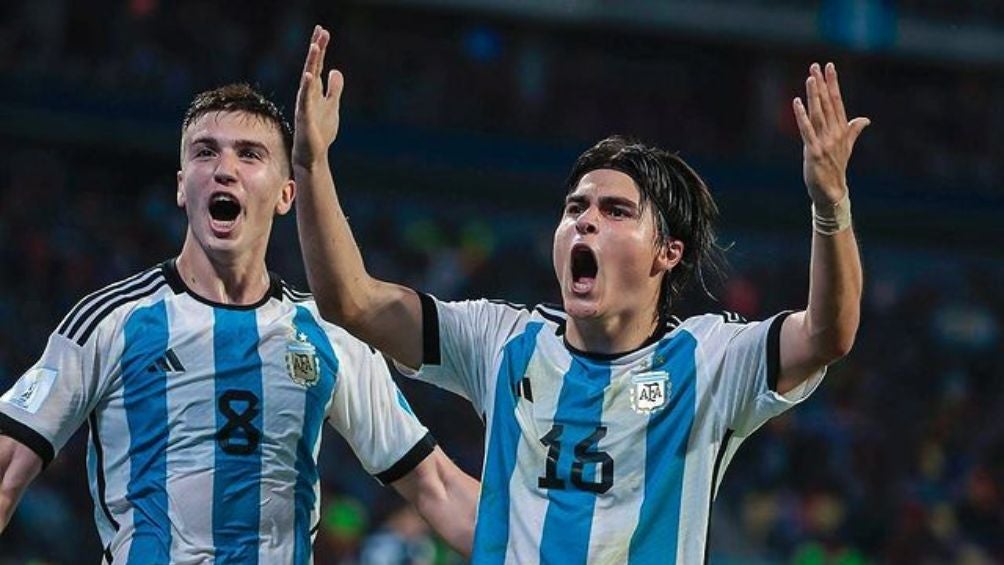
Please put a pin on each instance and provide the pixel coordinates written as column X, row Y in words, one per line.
column 316, row 122
column 828, row 136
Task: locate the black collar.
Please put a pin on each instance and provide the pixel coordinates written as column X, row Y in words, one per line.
column 177, row 284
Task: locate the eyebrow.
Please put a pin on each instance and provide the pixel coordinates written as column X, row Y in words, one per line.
column 239, row 143
column 618, row 201
column 604, row 201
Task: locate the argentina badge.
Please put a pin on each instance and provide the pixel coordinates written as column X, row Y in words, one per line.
column 650, row 391
column 302, row 363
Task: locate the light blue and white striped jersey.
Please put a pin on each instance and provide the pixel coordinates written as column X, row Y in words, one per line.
column 206, row 419
column 602, row 459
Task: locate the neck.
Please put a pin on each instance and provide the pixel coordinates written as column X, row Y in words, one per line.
column 611, row 334
column 223, row 278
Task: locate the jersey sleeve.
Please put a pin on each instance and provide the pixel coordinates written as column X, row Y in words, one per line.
column 371, row 413
column 461, row 342
column 50, row 400
column 745, row 362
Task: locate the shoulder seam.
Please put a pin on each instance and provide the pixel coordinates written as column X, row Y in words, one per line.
column 89, row 300
column 109, row 304
column 555, row 317
column 294, row 296
column 512, row 305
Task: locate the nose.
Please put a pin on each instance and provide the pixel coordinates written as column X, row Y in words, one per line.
column 586, row 222
column 226, row 169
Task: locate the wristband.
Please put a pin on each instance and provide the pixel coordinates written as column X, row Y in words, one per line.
column 833, row 220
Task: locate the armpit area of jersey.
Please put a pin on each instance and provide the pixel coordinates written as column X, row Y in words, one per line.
column 27, row 436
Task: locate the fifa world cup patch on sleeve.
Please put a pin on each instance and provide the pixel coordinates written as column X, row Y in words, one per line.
column 302, row 362
column 31, row 389
column 650, row 391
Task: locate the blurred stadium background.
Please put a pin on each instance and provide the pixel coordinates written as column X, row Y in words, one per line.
column 461, row 118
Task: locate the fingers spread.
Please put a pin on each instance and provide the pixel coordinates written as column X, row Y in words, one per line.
column 815, row 105
column 836, row 99
column 855, row 128
column 323, row 38
column 335, row 84
column 822, row 90
column 804, row 125
column 303, row 95
column 308, row 63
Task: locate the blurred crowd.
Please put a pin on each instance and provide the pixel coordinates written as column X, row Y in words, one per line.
column 437, row 69
column 898, row 458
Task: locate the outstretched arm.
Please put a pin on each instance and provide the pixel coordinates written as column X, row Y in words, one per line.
column 825, row 330
column 445, row 496
column 385, row 315
column 19, row 465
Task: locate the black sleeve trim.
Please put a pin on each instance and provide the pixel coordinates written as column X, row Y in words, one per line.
column 774, row 350
column 430, row 330
column 406, row 464
column 29, row 437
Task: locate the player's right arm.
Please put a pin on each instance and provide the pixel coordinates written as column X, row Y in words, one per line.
column 49, row 402
column 19, row 465
column 385, row 315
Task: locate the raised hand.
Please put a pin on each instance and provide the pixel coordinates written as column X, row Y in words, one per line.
column 827, row 136
column 316, row 122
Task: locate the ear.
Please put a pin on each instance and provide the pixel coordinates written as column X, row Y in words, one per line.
column 669, row 256
column 180, row 195
column 286, row 196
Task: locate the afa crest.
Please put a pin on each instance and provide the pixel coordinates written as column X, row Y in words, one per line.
column 650, row 391
column 302, row 363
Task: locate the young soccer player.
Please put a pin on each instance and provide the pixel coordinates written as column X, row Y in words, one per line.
column 205, row 380
column 609, row 423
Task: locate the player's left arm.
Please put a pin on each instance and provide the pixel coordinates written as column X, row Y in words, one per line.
column 445, row 496
column 825, row 330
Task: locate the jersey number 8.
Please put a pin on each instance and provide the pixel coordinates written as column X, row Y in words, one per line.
column 238, row 436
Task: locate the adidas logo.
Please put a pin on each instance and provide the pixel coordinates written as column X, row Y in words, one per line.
column 168, row 363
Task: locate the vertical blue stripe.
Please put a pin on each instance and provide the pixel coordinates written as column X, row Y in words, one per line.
column 144, row 385
column 655, row 538
column 491, row 534
column 317, row 397
column 237, row 479
column 569, row 517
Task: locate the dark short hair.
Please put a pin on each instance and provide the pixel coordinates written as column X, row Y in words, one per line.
column 241, row 97
column 682, row 205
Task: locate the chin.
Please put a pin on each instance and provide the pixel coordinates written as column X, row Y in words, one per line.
column 214, row 244
column 581, row 308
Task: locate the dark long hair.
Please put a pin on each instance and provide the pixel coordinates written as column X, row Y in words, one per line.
column 682, row 205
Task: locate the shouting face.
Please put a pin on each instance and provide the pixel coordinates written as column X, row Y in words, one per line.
column 232, row 182
column 606, row 254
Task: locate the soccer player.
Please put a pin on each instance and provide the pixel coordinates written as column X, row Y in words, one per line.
column 609, row 422
column 206, row 379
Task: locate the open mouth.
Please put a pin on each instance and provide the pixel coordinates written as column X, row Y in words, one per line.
column 224, row 207
column 584, row 269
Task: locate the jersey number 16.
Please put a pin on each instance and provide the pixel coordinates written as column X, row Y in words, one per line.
column 604, row 471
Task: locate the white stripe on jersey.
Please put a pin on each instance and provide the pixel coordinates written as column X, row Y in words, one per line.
column 616, row 513
column 192, row 413
column 535, row 419
column 139, row 358
column 654, row 504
